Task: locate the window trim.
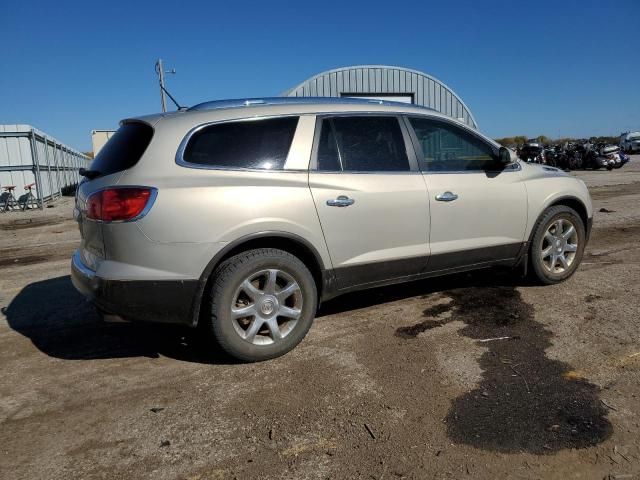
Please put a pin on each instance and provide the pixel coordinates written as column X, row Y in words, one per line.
column 513, row 167
column 199, row 166
column 408, row 145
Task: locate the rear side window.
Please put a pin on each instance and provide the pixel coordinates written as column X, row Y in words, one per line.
column 124, row 148
column 261, row 144
column 362, row 144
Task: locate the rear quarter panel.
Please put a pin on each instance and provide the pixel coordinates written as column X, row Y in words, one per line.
column 211, row 207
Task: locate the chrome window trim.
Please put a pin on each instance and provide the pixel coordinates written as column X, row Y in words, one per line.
column 183, row 145
column 142, row 214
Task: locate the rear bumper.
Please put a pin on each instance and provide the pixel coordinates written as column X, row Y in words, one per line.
column 166, row 301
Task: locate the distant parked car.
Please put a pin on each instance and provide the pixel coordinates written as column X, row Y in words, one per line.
column 630, row 142
column 242, row 216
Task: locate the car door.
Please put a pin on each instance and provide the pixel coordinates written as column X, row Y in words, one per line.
column 478, row 207
column 370, row 197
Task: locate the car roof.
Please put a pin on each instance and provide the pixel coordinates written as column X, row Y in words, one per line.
column 253, row 107
column 238, row 109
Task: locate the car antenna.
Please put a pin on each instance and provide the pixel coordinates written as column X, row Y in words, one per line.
column 161, row 71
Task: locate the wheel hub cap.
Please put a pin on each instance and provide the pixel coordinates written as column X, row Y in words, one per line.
column 269, row 305
column 266, row 307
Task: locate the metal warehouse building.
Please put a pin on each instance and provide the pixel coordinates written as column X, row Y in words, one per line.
column 386, row 83
column 29, row 156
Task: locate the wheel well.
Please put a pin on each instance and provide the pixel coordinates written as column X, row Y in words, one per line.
column 576, row 205
column 290, row 245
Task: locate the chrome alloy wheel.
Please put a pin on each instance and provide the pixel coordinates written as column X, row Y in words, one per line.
column 266, row 307
column 559, row 246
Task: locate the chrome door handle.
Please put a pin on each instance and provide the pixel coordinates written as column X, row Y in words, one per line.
column 446, row 197
column 341, row 201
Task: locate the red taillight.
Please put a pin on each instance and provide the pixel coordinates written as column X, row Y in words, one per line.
column 118, row 204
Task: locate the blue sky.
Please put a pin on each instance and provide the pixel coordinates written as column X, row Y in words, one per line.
column 546, row 67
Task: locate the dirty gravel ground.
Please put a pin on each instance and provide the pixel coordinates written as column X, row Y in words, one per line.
column 390, row 383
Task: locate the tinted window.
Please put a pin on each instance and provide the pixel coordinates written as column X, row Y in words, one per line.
column 450, row 148
column 328, row 149
column 124, row 148
column 362, row 144
column 262, row 144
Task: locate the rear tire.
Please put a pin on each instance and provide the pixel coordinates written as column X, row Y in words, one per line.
column 557, row 245
column 263, row 303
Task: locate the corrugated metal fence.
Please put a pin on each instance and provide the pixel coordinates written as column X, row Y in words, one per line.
column 29, row 156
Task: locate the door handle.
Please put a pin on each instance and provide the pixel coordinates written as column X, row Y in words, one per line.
column 341, row 201
column 446, row 197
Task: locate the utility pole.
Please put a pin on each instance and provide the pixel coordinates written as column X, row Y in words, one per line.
column 161, row 71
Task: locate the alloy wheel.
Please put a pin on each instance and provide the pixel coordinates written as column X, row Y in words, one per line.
column 266, row 307
column 559, row 246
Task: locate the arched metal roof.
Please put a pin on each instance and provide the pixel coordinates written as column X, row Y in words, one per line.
column 383, row 80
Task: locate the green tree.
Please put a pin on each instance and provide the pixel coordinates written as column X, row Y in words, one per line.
column 506, row 141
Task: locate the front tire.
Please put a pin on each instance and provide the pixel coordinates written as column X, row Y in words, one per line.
column 263, row 303
column 557, row 245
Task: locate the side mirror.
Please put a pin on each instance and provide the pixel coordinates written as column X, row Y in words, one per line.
column 504, row 156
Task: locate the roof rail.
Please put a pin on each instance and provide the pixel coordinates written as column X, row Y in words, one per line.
column 252, row 102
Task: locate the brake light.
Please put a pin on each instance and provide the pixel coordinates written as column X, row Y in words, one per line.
column 119, row 204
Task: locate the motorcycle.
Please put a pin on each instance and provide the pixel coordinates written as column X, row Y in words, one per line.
column 573, row 156
column 561, row 156
column 552, row 156
column 624, row 158
column 532, row 152
column 594, row 158
column 607, row 156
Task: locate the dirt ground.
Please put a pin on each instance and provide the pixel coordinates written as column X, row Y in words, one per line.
column 396, row 382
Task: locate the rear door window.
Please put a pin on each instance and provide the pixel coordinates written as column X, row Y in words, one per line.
column 362, row 144
column 124, row 149
column 260, row 144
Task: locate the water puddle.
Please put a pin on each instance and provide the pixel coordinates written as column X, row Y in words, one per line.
column 525, row 402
